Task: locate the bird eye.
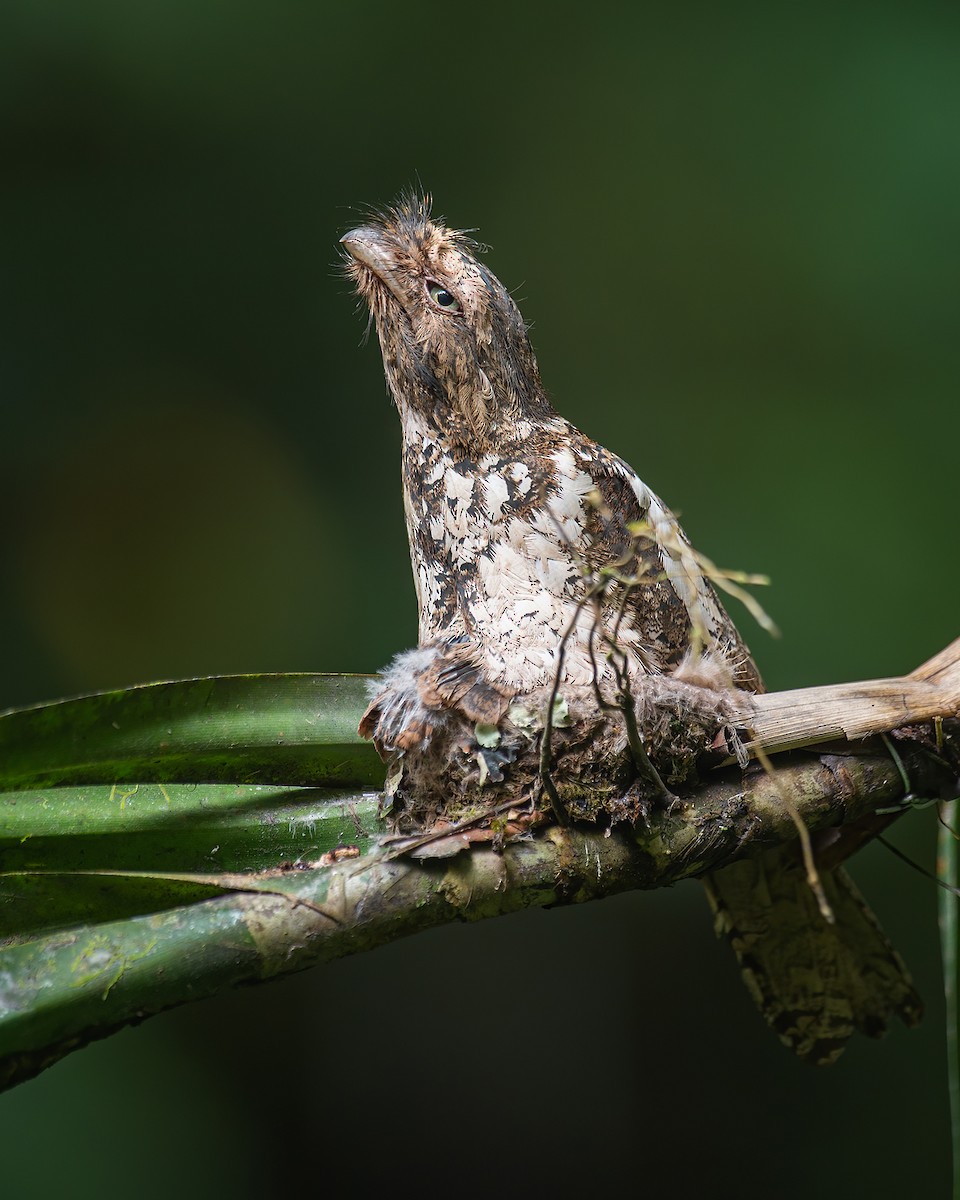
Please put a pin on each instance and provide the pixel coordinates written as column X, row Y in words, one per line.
column 442, row 298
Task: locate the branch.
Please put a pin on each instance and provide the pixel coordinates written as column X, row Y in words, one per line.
column 803, row 717
column 65, row 989
column 121, row 901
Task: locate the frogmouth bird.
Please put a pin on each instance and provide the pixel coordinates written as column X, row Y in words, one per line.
column 554, row 589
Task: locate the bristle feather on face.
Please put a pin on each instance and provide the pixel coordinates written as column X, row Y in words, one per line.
column 455, row 347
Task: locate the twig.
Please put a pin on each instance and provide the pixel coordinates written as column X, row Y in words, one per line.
column 948, row 870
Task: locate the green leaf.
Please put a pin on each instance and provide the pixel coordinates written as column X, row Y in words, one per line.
column 41, row 902
column 143, row 831
column 179, row 827
column 277, row 729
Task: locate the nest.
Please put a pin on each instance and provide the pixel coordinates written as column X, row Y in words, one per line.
column 602, row 765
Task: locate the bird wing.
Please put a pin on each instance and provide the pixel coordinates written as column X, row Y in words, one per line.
column 673, row 606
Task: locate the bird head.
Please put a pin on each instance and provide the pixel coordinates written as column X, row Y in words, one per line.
column 455, row 347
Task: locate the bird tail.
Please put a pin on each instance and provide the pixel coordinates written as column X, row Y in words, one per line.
column 816, row 983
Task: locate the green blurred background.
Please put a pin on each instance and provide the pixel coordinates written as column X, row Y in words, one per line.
column 735, row 228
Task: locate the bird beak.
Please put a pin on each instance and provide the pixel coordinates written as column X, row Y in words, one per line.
column 368, row 246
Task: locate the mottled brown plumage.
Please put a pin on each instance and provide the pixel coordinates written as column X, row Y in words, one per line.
column 505, row 500
column 512, row 514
